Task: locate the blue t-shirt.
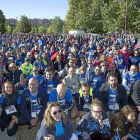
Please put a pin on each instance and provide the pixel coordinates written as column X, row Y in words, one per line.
column 50, row 86
column 83, row 77
column 112, row 99
column 38, row 77
column 134, row 60
column 59, row 66
column 120, row 63
column 59, row 129
column 63, row 102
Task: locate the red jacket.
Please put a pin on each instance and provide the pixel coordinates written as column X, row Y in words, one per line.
column 126, row 55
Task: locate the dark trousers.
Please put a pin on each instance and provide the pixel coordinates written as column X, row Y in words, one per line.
column 22, row 120
column 4, row 123
column 98, row 135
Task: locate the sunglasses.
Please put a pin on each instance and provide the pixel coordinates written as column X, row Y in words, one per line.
column 55, row 112
column 104, row 65
column 136, row 53
column 117, row 53
column 13, row 67
column 124, row 50
column 35, row 70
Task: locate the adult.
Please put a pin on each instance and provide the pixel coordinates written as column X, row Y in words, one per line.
column 22, row 84
column 14, row 74
column 56, row 124
column 95, row 124
column 113, row 95
column 124, row 125
column 49, row 82
column 33, row 104
column 2, row 79
column 10, row 104
column 62, row 95
column 72, row 80
column 35, row 74
column 130, row 77
column 124, row 51
column 96, row 79
column 110, row 57
column 27, row 67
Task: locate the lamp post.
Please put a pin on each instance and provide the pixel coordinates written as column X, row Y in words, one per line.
column 126, row 18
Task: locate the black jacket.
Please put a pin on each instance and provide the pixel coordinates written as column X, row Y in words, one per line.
column 56, row 65
column 104, row 96
column 17, row 74
column 65, row 71
column 135, row 93
column 20, row 88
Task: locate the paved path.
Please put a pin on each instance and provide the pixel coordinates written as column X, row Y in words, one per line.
column 3, row 136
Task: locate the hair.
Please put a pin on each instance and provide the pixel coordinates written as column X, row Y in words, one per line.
column 120, row 119
column 96, row 102
column 85, row 84
column 12, row 64
column 112, row 75
column 13, row 87
column 102, row 56
column 49, row 122
column 104, row 62
column 49, row 69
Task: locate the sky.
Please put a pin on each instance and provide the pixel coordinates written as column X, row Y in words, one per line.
column 34, row 8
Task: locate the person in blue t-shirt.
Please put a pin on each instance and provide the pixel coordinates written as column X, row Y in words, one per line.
column 62, row 95
column 130, row 77
column 35, row 74
column 41, row 42
column 19, row 61
column 96, row 79
column 49, row 82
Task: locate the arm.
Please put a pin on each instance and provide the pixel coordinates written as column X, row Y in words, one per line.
column 68, row 132
column 124, row 83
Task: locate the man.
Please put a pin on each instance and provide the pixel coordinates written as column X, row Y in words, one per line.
column 49, row 82
column 62, row 95
column 33, row 104
column 35, row 74
column 66, row 68
column 27, row 67
column 96, row 79
column 83, row 99
column 112, row 95
column 23, row 84
column 130, row 77
column 72, row 80
column 124, row 51
column 2, row 80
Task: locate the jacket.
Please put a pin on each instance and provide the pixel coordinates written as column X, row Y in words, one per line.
column 19, row 87
column 65, row 71
column 8, row 100
column 125, row 55
column 17, row 74
column 56, row 65
column 79, row 99
column 43, row 82
column 121, row 96
column 84, row 126
column 42, row 98
column 67, row 129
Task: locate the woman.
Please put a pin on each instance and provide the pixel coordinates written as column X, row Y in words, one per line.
column 113, row 69
column 10, row 104
column 56, row 124
column 13, row 74
column 95, row 124
column 104, row 59
column 124, row 126
column 104, row 70
column 134, row 59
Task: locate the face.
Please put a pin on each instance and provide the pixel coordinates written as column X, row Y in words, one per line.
column 117, row 53
column 125, row 50
column 35, row 72
column 83, row 63
column 71, row 72
column 131, row 117
column 113, row 82
column 136, row 53
column 13, row 68
column 103, row 58
column 97, row 71
column 49, row 75
column 1, row 60
column 61, row 92
column 71, row 63
column 104, row 67
column 85, row 91
column 96, row 111
column 1, row 74
column 23, row 81
column 8, row 88
column 133, row 70
column 33, row 85
column 27, row 62
column 56, row 113
column 112, row 67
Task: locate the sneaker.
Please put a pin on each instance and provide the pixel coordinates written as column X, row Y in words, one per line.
column 2, row 129
column 30, row 128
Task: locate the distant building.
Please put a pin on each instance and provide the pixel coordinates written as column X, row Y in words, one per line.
column 11, row 21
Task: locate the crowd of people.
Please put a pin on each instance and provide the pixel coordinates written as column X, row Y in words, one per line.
column 52, row 79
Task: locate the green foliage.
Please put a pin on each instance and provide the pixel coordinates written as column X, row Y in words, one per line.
column 41, row 30
column 2, row 22
column 8, row 29
column 49, row 30
column 57, row 25
column 23, row 26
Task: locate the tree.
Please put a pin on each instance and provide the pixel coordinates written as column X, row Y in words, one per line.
column 57, row 25
column 2, row 22
column 49, row 30
column 40, row 29
column 23, row 25
column 8, row 29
